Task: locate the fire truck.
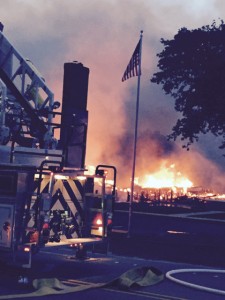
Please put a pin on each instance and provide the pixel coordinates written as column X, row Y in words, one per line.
column 47, row 198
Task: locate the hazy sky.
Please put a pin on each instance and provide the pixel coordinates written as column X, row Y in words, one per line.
column 102, row 34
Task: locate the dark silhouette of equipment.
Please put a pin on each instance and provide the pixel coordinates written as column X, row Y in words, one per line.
column 74, row 118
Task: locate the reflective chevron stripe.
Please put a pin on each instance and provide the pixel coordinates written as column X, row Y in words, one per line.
column 72, row 191
column 74, row 195
column 67, row 195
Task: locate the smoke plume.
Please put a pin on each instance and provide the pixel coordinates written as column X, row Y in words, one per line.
column 102, row 35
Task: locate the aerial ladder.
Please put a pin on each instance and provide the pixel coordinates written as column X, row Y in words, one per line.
column 30, row 101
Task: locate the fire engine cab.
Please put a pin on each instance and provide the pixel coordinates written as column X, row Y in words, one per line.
column 47, row 198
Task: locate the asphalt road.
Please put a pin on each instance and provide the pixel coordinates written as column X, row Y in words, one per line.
column 61, row 264
column 191, row 235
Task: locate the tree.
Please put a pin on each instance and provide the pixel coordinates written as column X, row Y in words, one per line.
column 192, row 71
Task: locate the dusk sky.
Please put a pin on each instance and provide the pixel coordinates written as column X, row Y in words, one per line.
column 102, row 35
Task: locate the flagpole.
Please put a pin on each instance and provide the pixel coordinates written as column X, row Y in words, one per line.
column 135, row 136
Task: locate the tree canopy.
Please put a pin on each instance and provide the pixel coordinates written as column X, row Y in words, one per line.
column 192, row 71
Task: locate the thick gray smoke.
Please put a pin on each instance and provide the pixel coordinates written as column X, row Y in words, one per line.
column 102, row 35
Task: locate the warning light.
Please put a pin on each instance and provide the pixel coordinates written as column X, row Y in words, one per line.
column 97, row 228
column 26, row 249
column 99, row 221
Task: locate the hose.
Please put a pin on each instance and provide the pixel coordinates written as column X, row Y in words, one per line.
column 137, row 277
column 169, row 275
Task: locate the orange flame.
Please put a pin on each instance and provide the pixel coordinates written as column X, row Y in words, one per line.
column 166, row 178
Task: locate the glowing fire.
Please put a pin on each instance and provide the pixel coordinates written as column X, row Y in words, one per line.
column 166, row 178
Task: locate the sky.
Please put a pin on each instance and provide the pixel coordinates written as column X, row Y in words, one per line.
column 102, row 35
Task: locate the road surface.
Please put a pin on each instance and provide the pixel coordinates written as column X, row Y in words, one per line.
column 61, row 263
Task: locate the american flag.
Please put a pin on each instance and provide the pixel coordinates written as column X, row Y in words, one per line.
column 134, row 66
